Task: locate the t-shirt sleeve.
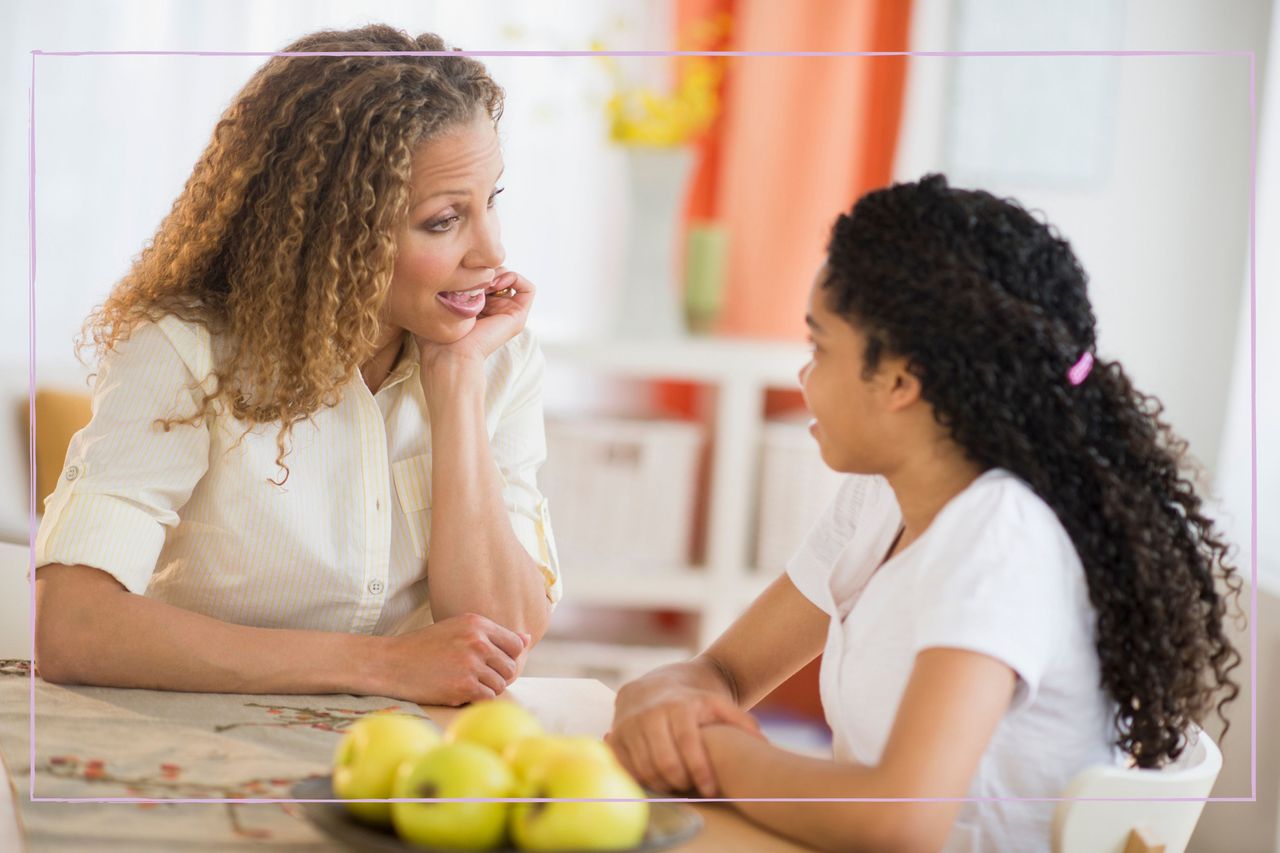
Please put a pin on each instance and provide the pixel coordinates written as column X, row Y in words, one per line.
column 997, row 579
column 519, row 447
column 126, row 477
column 810, row 567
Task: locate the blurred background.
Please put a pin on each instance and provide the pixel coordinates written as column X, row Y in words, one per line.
column 672, row 213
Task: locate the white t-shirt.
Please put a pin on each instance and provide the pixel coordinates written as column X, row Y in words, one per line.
column 994, row 573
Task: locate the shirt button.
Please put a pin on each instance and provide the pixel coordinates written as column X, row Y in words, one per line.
column 378, row 504
column 72, row 473
column 375, row 587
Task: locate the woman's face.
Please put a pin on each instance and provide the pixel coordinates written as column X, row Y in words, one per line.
column 851, row 413
column 449, row 248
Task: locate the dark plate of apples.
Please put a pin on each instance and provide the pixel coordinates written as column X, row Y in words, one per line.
column 551, row 827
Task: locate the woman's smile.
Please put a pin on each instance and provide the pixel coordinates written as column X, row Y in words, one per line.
column 464, row 303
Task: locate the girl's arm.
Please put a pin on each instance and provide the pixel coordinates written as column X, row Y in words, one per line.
column 657, row 717
column 949, row 711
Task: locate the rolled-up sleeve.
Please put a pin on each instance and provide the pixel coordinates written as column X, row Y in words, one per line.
column 126, row 477
column 520, row 448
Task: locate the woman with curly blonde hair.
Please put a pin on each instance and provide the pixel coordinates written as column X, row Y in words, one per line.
column 317, row 417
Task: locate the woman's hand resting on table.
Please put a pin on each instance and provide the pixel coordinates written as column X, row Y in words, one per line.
column 657, row 733
column 465, row 658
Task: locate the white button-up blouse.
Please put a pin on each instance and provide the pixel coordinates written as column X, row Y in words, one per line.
column 193, row 516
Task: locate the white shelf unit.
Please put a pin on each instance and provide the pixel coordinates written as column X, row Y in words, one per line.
column 740, row 372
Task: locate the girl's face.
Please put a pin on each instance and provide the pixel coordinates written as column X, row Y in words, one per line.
column 449, row 248
column 853, row 415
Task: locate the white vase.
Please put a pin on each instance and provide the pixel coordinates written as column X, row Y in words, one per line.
column 649, row 304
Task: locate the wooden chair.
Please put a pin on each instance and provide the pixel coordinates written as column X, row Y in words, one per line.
column 59, row 416
column 1129, row 826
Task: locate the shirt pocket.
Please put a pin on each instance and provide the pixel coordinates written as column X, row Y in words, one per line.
column 412, row 478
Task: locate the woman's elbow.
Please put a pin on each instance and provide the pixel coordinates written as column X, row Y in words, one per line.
column 69, row 600
column 537, row 620
column 54, row 658
column 51, row 669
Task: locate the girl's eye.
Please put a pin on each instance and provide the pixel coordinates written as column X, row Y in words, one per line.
column 493, row 197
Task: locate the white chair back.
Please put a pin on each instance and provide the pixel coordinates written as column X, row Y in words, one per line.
column 15, row 602
column 1126, row 825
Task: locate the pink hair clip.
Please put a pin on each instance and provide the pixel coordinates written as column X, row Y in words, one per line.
column 1080, row 370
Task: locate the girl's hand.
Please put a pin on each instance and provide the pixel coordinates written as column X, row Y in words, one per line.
column 657, row 733
column 501, row 319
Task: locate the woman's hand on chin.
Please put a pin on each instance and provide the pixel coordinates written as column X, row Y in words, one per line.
column 501, row 319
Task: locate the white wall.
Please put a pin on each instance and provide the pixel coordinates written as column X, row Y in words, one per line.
column 1161, row 220
column 1256, row 827
column 1234, row 479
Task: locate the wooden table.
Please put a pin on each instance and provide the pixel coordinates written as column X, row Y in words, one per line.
column 584, row 706
column 563, row 706
column 10, row 829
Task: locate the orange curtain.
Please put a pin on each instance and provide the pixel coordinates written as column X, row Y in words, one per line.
column 797, row 141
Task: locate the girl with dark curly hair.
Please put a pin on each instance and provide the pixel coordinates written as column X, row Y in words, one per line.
column 317, row 420
column 1019, row 582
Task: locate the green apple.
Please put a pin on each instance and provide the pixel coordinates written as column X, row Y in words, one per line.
column 495, row 723
column 580, row 826
column 366, row 759
column 529, row 756
column 454, row 770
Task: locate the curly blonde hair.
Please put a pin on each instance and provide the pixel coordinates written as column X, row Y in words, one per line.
column 282, row 242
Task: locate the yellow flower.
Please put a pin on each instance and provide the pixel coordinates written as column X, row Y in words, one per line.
column 641, row 116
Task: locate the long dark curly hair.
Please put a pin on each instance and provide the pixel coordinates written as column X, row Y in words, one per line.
column 988, row 305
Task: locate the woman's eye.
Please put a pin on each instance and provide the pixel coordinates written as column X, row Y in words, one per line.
column 446, row 223
column 441, row 225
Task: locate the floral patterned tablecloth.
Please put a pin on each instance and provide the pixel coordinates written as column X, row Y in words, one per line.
column 105, row 742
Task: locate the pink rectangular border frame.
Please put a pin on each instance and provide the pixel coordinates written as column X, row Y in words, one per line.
column 1253, row 405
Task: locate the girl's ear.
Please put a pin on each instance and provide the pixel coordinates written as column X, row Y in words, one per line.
column 902, row 387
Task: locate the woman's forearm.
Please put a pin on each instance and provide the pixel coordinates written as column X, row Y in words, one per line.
column 476, row 564
column 89, row 630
